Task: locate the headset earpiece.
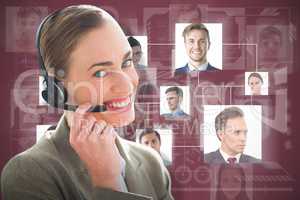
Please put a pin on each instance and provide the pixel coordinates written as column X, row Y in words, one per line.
column 54, row 92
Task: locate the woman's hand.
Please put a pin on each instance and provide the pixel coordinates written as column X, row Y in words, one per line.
column 94, row 142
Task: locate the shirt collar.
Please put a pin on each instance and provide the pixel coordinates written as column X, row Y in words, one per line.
column 201, row 67
column 176, row 111
column 226, row 156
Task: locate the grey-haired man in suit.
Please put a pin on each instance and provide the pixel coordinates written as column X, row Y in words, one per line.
column 231, row 129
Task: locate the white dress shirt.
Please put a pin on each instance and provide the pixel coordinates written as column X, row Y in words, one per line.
column 226, row 156
column 202, row 67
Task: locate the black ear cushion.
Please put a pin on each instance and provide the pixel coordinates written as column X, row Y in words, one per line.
column 54, row 93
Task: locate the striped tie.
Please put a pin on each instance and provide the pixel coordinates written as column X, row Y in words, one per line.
column 231, row 160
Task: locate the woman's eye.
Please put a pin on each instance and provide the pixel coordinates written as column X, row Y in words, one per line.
column 100, row 74
column 127, row 63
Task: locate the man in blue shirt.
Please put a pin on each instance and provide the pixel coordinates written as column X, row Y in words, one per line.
column 174, row 99
column 197, row 44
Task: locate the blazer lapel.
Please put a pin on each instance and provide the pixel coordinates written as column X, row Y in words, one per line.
column 243, row 159
column 218, row 157
column 135, row 178
column 132, row 165
column 186, row 68
column 67, row 153
column 70, row 158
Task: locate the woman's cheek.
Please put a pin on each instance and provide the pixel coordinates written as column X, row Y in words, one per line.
column 134, row 77
column 80, row 96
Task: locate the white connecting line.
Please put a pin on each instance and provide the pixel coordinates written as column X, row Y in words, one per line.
column 161, row 44
column 236, row 44
column 256, row 63
column 245, row 44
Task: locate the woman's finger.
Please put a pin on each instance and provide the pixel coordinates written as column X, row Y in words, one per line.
column 109, row 132
column 83, row 108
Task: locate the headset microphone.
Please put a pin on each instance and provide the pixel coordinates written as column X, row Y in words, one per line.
column 54, row 92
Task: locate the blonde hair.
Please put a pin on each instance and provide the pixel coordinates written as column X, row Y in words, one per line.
column 195, row 26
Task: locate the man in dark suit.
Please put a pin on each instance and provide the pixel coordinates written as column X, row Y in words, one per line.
column 197, row 43
column 231, row 130
column 151, row 138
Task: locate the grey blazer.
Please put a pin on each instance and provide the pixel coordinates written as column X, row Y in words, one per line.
column 216, row 157
column 51, row 170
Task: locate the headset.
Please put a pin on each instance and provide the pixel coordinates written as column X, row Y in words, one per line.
column 54, row 92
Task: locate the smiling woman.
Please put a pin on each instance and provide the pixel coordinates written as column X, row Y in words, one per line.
column 108, row 70
column 84, row 49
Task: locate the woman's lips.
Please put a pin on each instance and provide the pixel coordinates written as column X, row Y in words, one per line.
column 119, row 104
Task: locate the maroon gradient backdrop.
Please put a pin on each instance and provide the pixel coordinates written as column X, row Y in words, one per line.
column 242, row 21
